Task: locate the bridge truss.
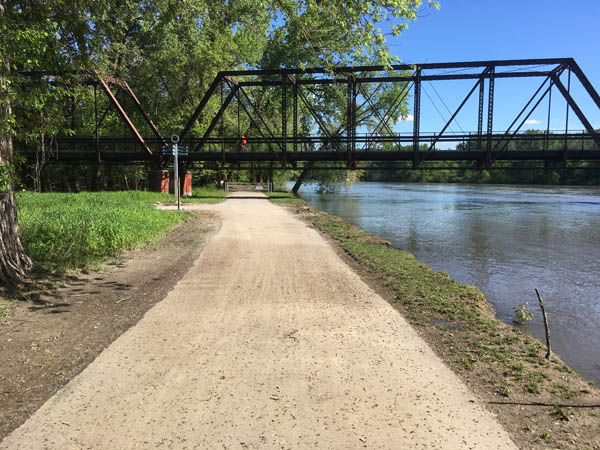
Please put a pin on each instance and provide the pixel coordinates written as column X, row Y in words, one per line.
column 300, row 129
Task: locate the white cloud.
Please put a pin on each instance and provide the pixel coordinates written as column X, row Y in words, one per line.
column 409, row 118
column 532, row 122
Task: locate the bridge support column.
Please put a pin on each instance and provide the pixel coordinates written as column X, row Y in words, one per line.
column 158, row 180
column 186, row 184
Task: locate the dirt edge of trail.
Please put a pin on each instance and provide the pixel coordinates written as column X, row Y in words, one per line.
column 533, row 421
column 49, row 339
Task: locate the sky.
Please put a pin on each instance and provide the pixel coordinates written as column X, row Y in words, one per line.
column 471, row 30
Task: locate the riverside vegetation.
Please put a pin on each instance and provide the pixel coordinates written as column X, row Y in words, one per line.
column 540, row 402
column 63, row 231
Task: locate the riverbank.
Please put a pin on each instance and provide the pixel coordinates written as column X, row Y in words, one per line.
column 541, row 403
column 506, row 240
column 270, row 340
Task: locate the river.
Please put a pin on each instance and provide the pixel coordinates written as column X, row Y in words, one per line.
column 506, row 240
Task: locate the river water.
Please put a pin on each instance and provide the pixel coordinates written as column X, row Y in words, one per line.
column 506, row 240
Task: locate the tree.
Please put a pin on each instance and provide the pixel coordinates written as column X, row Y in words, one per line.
column 170, row 50
column 13, row 262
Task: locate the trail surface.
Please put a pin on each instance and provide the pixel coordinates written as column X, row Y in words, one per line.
column 270, row 341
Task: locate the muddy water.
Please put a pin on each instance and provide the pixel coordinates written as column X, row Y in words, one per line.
column 506, row 240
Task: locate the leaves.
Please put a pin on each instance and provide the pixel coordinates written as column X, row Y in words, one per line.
column 170, row 51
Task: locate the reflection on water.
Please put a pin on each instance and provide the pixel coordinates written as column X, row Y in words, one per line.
column 506, row 240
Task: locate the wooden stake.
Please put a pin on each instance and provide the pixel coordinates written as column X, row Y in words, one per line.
column 545, row 322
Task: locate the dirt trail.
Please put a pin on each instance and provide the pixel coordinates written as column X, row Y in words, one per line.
column 269, row 341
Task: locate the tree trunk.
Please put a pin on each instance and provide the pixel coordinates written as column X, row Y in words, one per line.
column 14, row 264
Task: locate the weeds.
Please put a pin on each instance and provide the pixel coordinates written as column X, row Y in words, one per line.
column 522, row 314
column 284, row 197
column 563, row 391
column 505, row 391
column 66, row 231
column 546, row 436
column 533, row 380
column 560, row 413
column 566, row 369
column 205, row 194
column 4, row 309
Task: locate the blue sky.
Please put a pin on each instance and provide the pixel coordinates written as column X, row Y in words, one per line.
column 466, row 30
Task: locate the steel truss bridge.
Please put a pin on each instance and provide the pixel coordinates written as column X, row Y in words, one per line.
column 276, row 140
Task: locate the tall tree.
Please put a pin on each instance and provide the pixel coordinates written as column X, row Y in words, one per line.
column 170, row 51
column 13, row 262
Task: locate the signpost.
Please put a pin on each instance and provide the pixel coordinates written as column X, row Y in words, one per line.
column 175, row 140
column 176, row 151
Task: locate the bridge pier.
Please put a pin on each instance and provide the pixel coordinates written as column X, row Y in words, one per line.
column 158, row 180
column 161, row 180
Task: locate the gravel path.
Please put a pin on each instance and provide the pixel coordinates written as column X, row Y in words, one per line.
column 270, row 341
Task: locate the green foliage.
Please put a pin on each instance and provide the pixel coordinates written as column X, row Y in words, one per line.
column 522, row 314
column 284, row 197
column 563, row 391
column 546, row 436
column 4, row 309
column 533, row 380
column 170, row 51
column 561, row 413
column 502, row 172
column 65, row 231
column 206, row 194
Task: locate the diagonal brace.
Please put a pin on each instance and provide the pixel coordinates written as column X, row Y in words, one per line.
column 124, row 115
column 466, row 99
column 588, row 126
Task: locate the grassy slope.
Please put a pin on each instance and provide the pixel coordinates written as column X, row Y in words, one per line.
column 501, row 363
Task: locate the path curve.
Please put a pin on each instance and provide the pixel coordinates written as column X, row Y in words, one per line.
column 270, row 341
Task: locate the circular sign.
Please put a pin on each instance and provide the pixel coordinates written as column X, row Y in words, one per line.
column 174, row 139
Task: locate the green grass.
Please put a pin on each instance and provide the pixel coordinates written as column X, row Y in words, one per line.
column 67, row 231
column 283, row 197
column 4, row 309
column 205, row 194
column 428, row 295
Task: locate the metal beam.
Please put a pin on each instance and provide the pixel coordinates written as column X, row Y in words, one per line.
column 402, row 67
column 416, row 118
column 215, row 120
column 142, row 110
column 331, row 156
column 211, row 89
column 124, row 115
column 588, row 126
column 284, row 118
column 455, row 113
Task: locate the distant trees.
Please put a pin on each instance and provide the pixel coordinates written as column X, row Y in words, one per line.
column 501, row 172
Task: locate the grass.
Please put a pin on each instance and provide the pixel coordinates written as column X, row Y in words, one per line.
column 4, row 309
column 283, row 197
column 205, row 194
column 68, row 231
